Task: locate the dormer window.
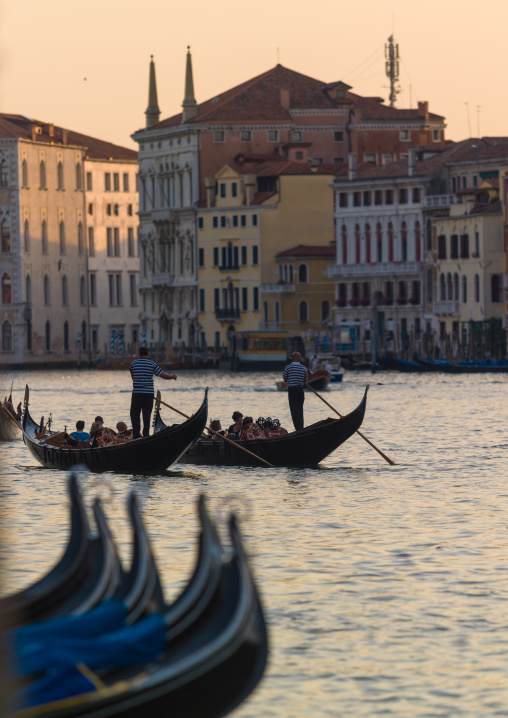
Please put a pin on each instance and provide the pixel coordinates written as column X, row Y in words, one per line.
column 341, row 94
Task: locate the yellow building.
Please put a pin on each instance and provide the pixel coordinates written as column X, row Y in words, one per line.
column 255, row 209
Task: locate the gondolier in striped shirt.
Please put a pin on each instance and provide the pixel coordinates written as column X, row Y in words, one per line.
column 142, row 372
column 295, row 374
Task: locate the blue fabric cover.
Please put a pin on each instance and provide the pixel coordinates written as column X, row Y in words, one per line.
column 53, row 687
column 134, row 645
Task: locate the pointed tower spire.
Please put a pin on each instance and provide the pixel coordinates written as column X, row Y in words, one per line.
column 152, row 111
column 189, row 103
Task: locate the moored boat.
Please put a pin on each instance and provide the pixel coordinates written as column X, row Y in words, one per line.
column 299, row 448
column 10, row 427
column 480, row 366
column 318, row 381
column 146, row 455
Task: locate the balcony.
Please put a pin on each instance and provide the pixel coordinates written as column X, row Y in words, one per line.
column 277, row 288
column 450, row 307
column 376, row 270
column 269, row 327
column 435, row 201
column 229, row 267
column 227, row 315
column 163, row 278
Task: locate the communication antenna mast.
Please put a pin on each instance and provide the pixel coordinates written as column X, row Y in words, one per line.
column 392, row 68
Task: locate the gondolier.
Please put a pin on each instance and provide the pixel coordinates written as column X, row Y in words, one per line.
column 295, row 374
column 142, row 372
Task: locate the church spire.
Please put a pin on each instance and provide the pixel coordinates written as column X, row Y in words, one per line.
column 189, row 103
column 152, row 111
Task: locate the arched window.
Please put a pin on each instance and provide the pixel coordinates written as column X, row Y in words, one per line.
column 5, row 231
column 47, row 332
column 4, row 173
column 449, row 287
column 464, row 289
column 79, row 176
column 47, row 292
column 430, row 282
column 81, row 238
column 6, row 289
column 28, row 289
column 44, row 237
column 390, row 242
column 6, row 336
column 60, row 176
column 403, row 241
column 455, row 287
column 367, row 243
column 24, row 173
column 325, row 310
column 66, row 336
column 42, row 174
column 65, row 291
column 442, row 287
column 62, row 237
column 302, row 273
column 418, row 241
column 303, row 312
column 276, row 312
column 357, row 244
column 379, row 242
column 476, row 288
column 82, row 291
column 26, row 236
column 343, row 234
column 428, row 235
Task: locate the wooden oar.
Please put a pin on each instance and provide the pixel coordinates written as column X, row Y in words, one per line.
column 385, row 457
column 211, row 431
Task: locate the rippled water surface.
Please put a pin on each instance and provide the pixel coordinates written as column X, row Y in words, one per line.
column 385, row 587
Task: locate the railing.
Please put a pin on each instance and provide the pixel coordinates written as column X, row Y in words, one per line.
column 277, row 288
column 446, row 308
column 383, row 268
column 229, row 267
column 227, row 314
column 440, row 200
column 163, row 278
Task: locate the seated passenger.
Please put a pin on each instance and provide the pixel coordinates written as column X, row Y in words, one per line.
column 101, row 435
column 80, row 435
column 236, row 428
column 124, row 434
column 251, row 430
column 216, row 426
column 273, row 428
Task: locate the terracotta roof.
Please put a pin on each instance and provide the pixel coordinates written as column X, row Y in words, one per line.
column 18, row 126
column 259, row 100
column 307, row 250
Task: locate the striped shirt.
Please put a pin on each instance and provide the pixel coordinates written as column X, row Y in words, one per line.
column 142, row 372
column 295, row 374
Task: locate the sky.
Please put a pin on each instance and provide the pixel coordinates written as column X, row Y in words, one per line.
column 84, row 66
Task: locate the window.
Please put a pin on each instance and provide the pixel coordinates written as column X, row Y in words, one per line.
column 244, row 255
column 24, row 173
column 387, row 158
column 90, row 209
column 133, row 290
column 464, row 289
column 343, row 196
column 116, row 239
column 61, row 233
column 79, row 176
column 476, row 252
column 81, row 239
column 47, row 332
column 107, row 182
column 418, row 241
column 389, row 196
column 255, row 299
column 245, row 299
column 234, row 189
column 201, row 257
column 235, row 220
column 343, row 238
column 44, row 237
column 243, row 220
column 93, row 290
column 403, row 241
column 405, row 135
column 129, row 210
column 367, row 198
column 272, row 135
column 91, row 242
column 222, row 189
column 215, row 256
column 108, row 210
column 496, row 288
column 7, row 345
column 402, row 195
column 47, row 293
column 66, row 336
column 200, row 222
column 303, row 312
column 390, row 242
column 215, row 222
column 219, row 136
column 379, row 242
column 441, row 246
column 456, row 287
column 42, row 174
column 357, row 199
column 378, row 197
column 338, row 160
column 298, row 155
column 454, row 246
column 89, row 182
column 416, row 195
column 109, row 242
column 65, row 291
column 325, row 310
column 125, row 181
column 82, row 291
column 201, row 300
column 476, row 288
column 255, row 257
column 246, row 136
column 4, row 173
column 370, row 157
column 216, row 298
column 116, row 209
column 338, row 136
column 436, row 135
column 254, row 220
column 5, row 231
column 131, row 246
column 302, row 273
column 6, row 289
column 116, row 182
column 26, row 236
column 223, row 222
column 297, row 136
column 464, row 246
column 115, row 290
column 60, row 176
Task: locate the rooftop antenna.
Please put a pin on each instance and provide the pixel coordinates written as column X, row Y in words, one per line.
column 392, row 68
column 468, row 120
column 478, row 108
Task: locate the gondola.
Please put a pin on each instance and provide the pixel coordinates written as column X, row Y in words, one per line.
column 146, row 455
column 318, row 381
column 484, row 366
column 10, row 428
column 205, row 672
column 300, row 448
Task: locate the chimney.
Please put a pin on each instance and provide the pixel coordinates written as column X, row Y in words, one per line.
column 352, row 165
column 51, row 129
column 284, row 98
column 411, row 162
column 423, row 110
column 34, row 133
column 64, row 137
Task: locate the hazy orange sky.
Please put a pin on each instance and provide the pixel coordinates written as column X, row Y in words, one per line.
column 452, row 54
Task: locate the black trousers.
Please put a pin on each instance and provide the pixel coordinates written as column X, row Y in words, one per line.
column 296, row 398
column 141, row 403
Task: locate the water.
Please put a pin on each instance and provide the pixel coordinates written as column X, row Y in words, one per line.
column 385, row 588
